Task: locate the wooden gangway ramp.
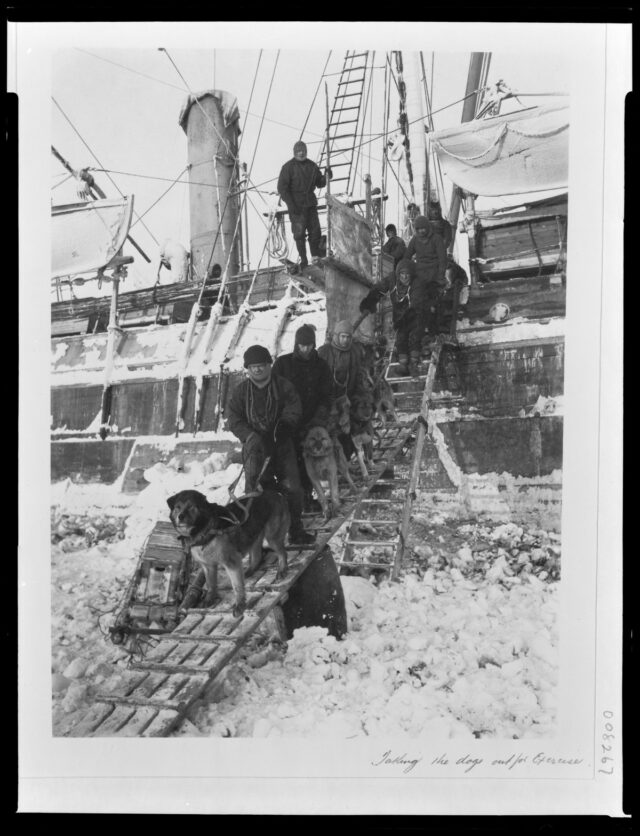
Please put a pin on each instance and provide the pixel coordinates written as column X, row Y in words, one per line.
column 154, row 694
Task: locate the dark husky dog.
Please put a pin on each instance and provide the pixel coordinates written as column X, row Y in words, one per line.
column 217, row 534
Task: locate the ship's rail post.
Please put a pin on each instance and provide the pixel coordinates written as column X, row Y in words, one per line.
column 328, row 186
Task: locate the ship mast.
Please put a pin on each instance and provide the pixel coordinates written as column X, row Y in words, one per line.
column 478, row 69
column 419, row 171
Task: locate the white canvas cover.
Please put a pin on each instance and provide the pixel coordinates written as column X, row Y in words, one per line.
column 86, row 236
column 525, row 151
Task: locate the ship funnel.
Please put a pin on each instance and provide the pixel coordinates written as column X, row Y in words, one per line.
column 210, row 120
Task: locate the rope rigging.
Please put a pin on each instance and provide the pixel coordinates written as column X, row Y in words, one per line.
column 313, row 101
column 165, row 192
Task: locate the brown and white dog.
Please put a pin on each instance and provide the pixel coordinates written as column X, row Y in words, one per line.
column 217, row 534
column 362, row 431
column 323, row 459
column 383, row 400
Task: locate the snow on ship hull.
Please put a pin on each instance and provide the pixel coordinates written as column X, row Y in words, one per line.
column 485, row 395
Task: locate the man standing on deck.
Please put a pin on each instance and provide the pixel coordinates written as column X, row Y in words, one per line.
column 298, row 180
column 394, row 245
column 344, row 361
column 428, row 250
column 313, row 382
column 406, row 294
column 264, row 412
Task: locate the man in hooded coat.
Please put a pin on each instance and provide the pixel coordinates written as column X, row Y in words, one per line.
column 427, row 249
column 298, row 180
column 407, row 296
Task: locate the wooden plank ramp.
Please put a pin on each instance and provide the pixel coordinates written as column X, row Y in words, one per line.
column 376, row 534
column 153, row 696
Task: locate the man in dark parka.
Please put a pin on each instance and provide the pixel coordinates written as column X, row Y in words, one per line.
column 428, row 250
column 313, row 382
column 264, row 412
column 298, row 180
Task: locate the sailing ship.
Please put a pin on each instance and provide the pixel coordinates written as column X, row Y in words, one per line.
column 139, row 375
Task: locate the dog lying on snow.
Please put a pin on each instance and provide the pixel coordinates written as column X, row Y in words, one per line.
column 217, row 534
column 324, row 458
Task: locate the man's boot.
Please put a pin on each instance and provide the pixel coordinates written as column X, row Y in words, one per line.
column 402, row 369
column 413, row 364
column 302, row 252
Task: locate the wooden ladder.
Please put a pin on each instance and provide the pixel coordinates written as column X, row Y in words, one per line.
column 344, row 121
column 385, row 513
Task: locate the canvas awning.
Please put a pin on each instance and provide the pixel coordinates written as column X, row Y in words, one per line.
column 86, row 236
column 525, row 151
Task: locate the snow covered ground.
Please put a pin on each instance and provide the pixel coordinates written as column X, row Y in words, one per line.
column 464, row 645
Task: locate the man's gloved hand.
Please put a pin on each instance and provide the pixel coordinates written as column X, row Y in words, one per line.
column 283, row 431
column 328, row 173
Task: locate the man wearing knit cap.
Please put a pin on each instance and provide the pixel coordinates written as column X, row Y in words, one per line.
column 407, row 301
column 264, row 412
column 298, row 180
column 428, row 251
column 313, row 382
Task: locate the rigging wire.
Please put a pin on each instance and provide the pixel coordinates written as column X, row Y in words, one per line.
column 224, row 276
column 383, row 178
column 364, row 116
column 313, row 101
column 166, row 191
column 98, row 161
column 235, row 167
column 406, row 196
column 153, row 177
column 388, row 132
column 263, row 112
column 221, row 139
column 64, row 180
column 182, row 90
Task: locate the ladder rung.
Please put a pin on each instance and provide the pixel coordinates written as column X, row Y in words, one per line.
column 342, row 109
column 336, row 165
column 346, row 95
column 353, row 69
column 368, row 543
column 372, row 521
column 365, row 565
column 175, row 705
column 355, row 55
